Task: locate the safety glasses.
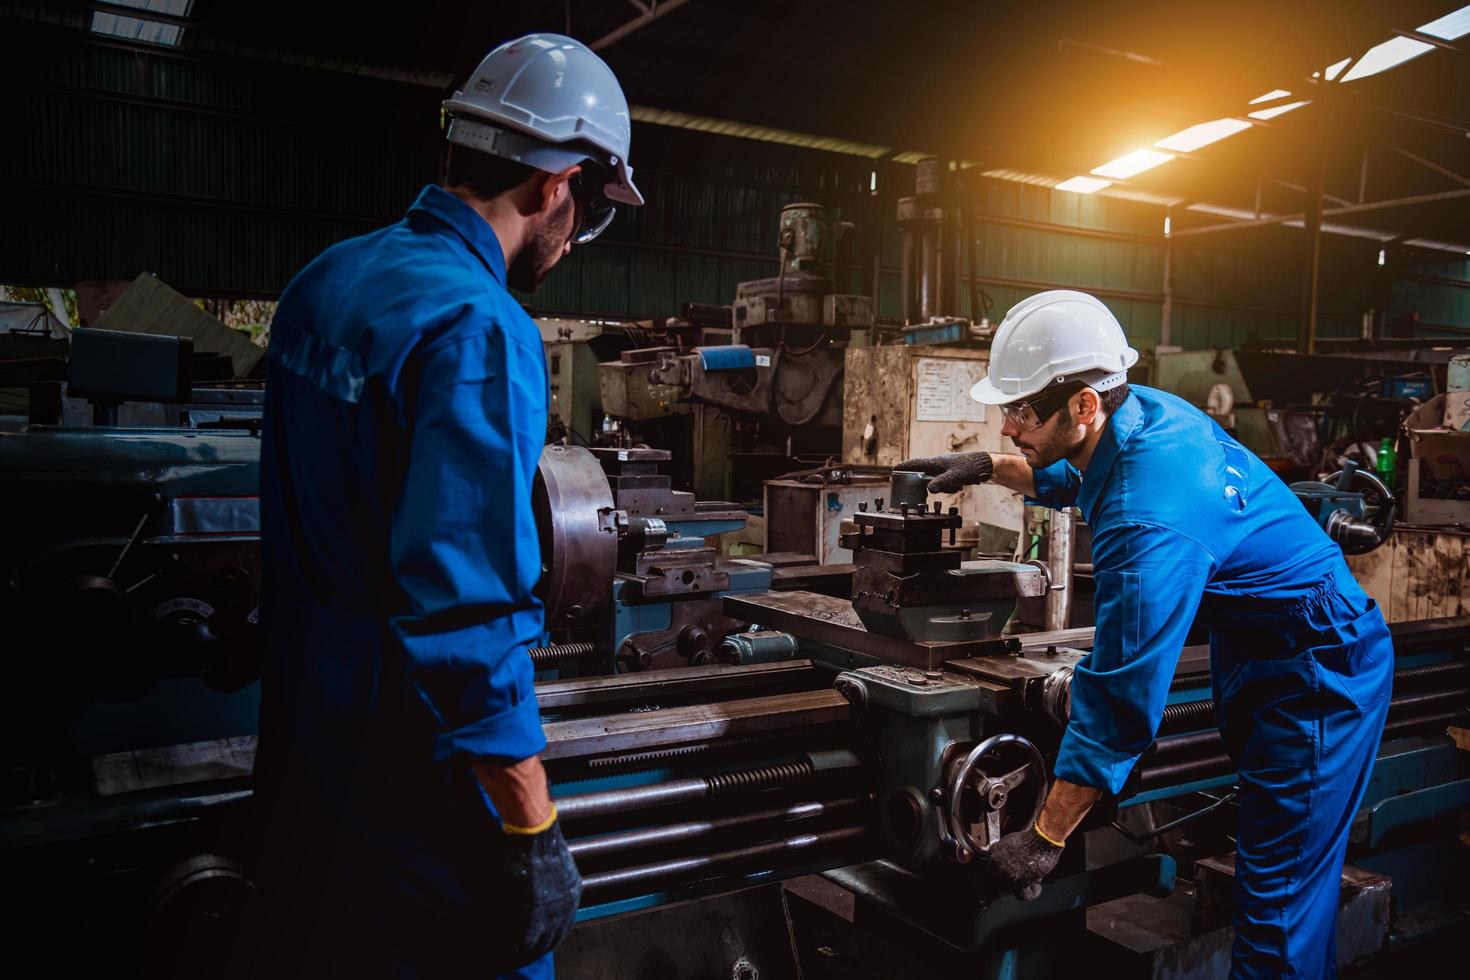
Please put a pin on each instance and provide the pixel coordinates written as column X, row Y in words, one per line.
column 594, row 211
column 1033, row 412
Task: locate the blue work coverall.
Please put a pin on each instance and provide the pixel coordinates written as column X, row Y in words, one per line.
column 405, row 413
column 1186, row 521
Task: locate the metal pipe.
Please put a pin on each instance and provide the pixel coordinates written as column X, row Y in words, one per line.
column 693, row 723
column 632, row 840
column 927, row 234
column 1059, row 553
column 1311, row 259
column 906, row 286
column 645, row 875
column 783, row 776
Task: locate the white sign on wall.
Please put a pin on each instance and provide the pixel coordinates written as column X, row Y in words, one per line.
column 944, row 390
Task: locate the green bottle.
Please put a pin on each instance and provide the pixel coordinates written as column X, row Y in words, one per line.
column 1388, row 461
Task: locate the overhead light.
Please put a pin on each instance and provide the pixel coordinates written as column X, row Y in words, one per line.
column 1132, row 163
column 1168, row 226
column 1277, row 110
column 1188, row 140
column 1382, row 256
column 1275, row 93
column 1334, row 70
column 1083, row 185
column 1389, row 54
column 1450, row 27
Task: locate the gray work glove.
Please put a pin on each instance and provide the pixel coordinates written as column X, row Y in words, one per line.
column 952, row 471
column 544, row 891
column 1023, row 859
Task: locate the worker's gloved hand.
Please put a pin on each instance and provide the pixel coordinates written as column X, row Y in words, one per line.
column 545, row 889
column 1023, row 859
column 952, row 471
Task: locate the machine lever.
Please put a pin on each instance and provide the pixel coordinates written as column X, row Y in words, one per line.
column 1174, row 824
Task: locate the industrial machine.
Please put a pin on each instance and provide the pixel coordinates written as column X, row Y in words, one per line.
column 630, row 580
column 883, row 739
column 773, row 389
column 888, row 739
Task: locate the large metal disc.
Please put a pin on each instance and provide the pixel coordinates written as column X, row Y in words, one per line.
column 579, row 537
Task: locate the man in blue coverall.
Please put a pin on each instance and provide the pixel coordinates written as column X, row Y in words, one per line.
column 1186, row 522
column 407, row 828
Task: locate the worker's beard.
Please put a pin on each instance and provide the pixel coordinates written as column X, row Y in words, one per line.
column 543, row 248
column 1061, row 441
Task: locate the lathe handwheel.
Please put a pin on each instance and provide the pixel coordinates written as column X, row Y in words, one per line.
column 994, row 791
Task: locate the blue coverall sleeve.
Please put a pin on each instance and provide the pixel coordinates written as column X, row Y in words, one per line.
column 1056, row 485
column 464, row 545
column 1150, row 581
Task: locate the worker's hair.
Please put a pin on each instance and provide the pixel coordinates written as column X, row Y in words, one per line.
column 1108, row 401
column 483, row 174
column 1113, row 398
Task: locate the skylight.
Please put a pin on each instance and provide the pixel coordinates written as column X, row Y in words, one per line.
column 1391, row 53
column 1277, row 110
column 1203, row 134
column 1450, row 27
column 1083, row 185
column 143, row 29
column 1132, row 163
column 1334, row 70
column 1275, row 93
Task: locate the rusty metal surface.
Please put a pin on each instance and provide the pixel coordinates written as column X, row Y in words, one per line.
column 693, row 723
column 677, row 681
column 833, row 621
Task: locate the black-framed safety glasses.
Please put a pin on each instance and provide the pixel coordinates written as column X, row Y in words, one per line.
column 594, row 211
column 1033, row 412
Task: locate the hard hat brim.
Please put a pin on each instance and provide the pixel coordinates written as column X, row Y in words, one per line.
column 986, row 393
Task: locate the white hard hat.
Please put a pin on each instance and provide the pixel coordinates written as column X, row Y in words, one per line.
column 1058, row 335
column 546, row 100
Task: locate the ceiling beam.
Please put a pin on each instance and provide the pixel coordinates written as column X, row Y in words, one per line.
column 657, row 9
column 1430, row 164
column 1401, row 202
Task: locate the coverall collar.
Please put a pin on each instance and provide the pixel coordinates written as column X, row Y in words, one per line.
column 1119, row 429
column 466, row 221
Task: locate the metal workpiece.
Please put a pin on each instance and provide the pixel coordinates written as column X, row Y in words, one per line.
column 908, row 489
column 662, row 874
column 643, row 838
column 833, row 624
column 692, row 723
column 759, row 779
column 575, row 517
column 1059, row 560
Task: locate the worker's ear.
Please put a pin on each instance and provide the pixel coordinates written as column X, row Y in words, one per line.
column 554, row 189
column 1089, row 404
